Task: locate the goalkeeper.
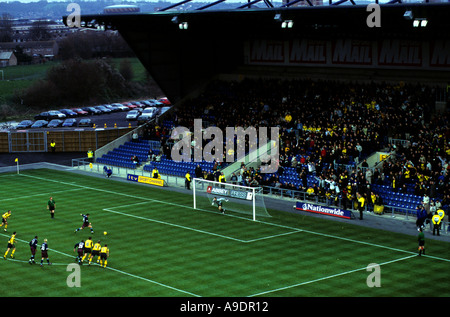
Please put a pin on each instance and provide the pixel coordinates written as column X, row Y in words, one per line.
column 219, row 203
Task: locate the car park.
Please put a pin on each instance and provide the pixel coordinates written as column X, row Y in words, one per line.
column 69, row 113
column 24, row 124
column 86, row 122
column 40, row 124
column 71, row 122
column 55, row 123
column 133, row 115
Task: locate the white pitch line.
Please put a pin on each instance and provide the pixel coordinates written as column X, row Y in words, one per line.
column 41, row 194
column 327, row 277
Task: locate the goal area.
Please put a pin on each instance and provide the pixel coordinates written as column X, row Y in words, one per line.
column 236, row 198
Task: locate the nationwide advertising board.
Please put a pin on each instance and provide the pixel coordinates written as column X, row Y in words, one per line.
column 145, row 180
column 324, row 210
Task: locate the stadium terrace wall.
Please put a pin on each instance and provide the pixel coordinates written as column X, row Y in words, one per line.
column 66, row 141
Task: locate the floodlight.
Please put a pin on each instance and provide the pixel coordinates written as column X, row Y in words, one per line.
column 408, row 15
column 183, row 25
column 287, row 24
column 416, row 23
column 424, row 23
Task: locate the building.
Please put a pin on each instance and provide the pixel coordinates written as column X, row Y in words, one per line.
column 7, row 59
column 42, row 49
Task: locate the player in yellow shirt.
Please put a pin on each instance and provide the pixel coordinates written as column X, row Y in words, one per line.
column 104, row 254
column 95, row 252
column 11, row 245
column 5, row 217
column 87, row 248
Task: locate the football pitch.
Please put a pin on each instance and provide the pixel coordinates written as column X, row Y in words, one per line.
column 161, row 247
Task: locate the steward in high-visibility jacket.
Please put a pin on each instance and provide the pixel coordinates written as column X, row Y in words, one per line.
column 53, row 146
column 222, row 178
column 436, row 219
column 90, row 155
column 187, row 181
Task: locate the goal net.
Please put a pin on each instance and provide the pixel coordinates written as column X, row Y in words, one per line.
column 241, row 199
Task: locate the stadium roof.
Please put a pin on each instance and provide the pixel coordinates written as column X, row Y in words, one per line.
column 184, row 49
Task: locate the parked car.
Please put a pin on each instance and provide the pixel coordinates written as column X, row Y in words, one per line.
column 147, row 114
column 80, row 111
column 69, row 113
column 40, row 124
column 120, row 106
column 103, row 109
column 165, row 101
column 24, row 124
column 153, row 103
column 113, row 108
column 71, row 122
column 133, row 115
column 55, row 123
column 92, row 110
column 85, row 123
column 49, row 115
column 130, row 105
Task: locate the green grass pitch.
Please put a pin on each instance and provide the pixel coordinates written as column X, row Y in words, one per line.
column 161, row 247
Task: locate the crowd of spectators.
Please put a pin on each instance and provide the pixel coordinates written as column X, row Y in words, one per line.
column 327, row 126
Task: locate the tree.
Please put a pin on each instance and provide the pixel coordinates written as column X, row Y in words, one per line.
column 6, row 28
column 126, row 70
column 39, row 31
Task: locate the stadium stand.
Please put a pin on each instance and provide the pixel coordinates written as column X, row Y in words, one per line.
column 122, row 156
column 328, row 129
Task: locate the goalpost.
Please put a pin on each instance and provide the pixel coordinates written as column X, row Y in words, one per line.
column 236, row 198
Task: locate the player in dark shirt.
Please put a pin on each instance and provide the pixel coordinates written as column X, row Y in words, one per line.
column 33, row 247
column 44, row 252
column 85, row 224
column 79, row 248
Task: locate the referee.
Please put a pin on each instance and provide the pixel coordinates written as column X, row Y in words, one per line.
column 421, row 239
column 51, row 205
